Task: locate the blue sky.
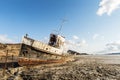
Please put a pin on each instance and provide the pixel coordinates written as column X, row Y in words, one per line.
column 92, row 25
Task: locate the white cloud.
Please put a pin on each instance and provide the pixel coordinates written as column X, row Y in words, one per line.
column 98, row 37
column 5, row 39
column 114, row 46
column 77, row 45
column 70, row 42
column 111, row 47
column 75, row 37
column 82, row 43
column 95, row 36
column 74, row 43
column 108, row 6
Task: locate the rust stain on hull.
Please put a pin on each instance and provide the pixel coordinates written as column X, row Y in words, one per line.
column 27, row 61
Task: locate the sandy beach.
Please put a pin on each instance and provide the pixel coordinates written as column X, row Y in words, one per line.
column 83, row 67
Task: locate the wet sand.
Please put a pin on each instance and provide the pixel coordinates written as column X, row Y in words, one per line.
column 104, row 59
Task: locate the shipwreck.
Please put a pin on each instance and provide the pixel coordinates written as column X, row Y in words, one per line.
column 35, row 52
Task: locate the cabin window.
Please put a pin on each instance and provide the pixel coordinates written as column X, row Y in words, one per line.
column 53, row 40
column 46, row 48
column 24, row 53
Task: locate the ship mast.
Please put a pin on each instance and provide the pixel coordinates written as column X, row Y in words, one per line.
column 63, row 21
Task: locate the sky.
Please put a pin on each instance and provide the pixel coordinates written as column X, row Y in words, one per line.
column 90, row 26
